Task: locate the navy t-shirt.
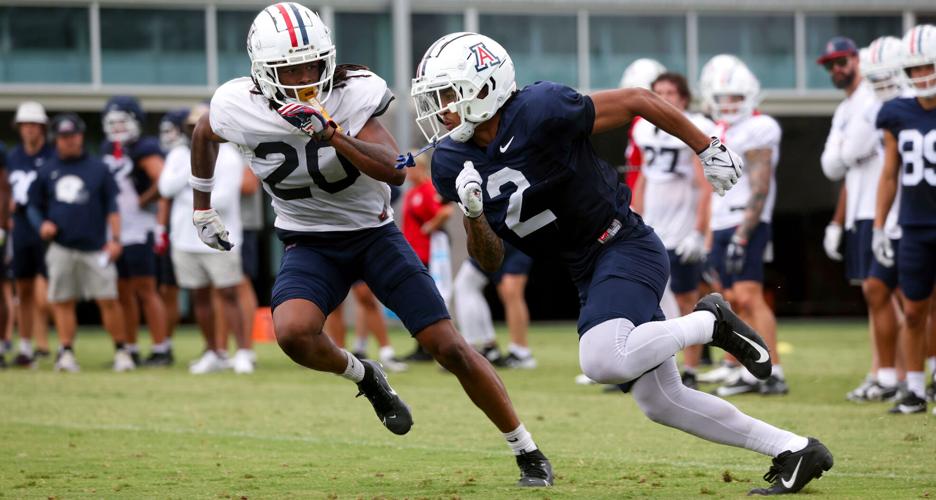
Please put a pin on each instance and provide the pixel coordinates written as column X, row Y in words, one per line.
column 545, row 189
column 915, row 131
column 77, row 195
column 22, row 170
column 127, row 163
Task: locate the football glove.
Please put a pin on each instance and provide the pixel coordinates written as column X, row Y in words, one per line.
column 721, row 165
column 691, row 249
column 161, row 240
column 832, row 240
column 468, row 186
column 881, row 246
column 734, row 255
column 311, row 119
column 210, row 229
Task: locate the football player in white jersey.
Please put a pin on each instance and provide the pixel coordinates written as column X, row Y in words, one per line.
column 311, row 128
column 740, row 222
column 638, row 74
column 673, row 197
column 853, row 151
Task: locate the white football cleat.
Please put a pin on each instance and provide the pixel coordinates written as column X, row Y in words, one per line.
column 243, row 362
column 123, row 362
column 66, row 362
column 721, row 374
column 393, row 365
column 209, row 362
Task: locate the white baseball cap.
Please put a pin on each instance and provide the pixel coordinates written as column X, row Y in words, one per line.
column 31, row 112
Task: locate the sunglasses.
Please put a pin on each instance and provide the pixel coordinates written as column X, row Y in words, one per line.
column 840, row 62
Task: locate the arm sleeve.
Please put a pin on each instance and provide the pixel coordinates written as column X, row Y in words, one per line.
column 175, row 174
column 860, row 143
column 832, row 165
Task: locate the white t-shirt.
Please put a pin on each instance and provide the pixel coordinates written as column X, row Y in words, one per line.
column 225, row 196
column 312, row 189
column 752, row 133
column 671, row 198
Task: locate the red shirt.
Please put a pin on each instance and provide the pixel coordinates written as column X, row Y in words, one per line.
column 420, row 204
column 633, row 157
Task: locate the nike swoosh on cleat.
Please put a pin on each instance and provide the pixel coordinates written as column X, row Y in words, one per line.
column 760, row 350
column 788, row 483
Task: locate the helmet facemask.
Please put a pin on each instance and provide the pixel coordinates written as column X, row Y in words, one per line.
column 266, row 75
column 121, row 126
column 170, row 136
column 886, row 82
column 922, row 86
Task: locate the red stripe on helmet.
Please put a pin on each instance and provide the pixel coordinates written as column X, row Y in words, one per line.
column 289, row 25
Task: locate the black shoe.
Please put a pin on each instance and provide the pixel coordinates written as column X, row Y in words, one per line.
column 792, row 470
column 738, row 386
column 774, row 385
column 689, row 380
column 23, row 361
column 517, row 363
column 135, row 356
column 911, row 403
column 736, row 337
column 418, row 355
column 41, row 353
column 931, row 392
column 390, row 409
column 535, row 469
column 157, row 359
column 494, row 356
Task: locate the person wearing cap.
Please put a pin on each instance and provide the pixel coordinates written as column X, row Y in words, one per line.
column 853, row 152
column 74, row 206
column 29, row 270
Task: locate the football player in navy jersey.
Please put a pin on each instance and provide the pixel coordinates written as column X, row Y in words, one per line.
column 909, row 126
column 522, row 167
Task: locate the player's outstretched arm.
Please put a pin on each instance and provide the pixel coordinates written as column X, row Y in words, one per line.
column 204, row 154
column 373, row 151
column 616, row 108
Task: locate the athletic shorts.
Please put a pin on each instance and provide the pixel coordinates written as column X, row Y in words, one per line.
column 683, row 277
column 916, row 262
column 858, row 254
column 78, row 274
column 165, row 272
column 886, row 274
column 753, row 267
column 28, row 260
column 196, row 270
column 321, row 267
column 515, row 262
column 138, row 260
column 250, row 254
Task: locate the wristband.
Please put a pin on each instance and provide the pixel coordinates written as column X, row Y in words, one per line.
column 201, row 184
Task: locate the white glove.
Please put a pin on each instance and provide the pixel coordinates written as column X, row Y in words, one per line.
column 210, row 229
column 691, row 249
column 881, row 246
column 468, row 185
column 721, row 165
column 832, row 240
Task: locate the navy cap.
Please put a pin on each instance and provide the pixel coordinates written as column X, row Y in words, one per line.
column 839, row 46
column 67, row 124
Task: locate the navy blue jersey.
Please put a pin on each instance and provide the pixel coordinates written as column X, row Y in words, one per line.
column 77, row 195
column 127, row 163
column 915, row 131
column 545, row 189
column 22, row 170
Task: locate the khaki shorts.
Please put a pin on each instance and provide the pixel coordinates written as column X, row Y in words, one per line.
column 78, row 274
column 195, row 270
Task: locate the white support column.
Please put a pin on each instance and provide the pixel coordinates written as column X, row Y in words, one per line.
column 403, row 48
column 799, row 49
column 692, row 46
column 584, row 61
column 909, row 20
column 211, row 43
column 472, row 20
column 94, row 21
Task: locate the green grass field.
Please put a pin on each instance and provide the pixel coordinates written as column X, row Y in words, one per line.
column 287, row 432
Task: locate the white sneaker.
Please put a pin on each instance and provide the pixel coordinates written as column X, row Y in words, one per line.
column 392, row 365
column 209, row 362
column 66, row 362
column 243, row 362
column 582, row 379
column 721, row 374
column 123, row 362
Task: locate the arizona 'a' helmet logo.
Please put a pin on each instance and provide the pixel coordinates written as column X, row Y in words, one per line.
column 484, row 58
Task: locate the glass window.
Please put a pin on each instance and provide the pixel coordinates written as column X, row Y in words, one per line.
column 232, row 43
column 45, row 45
column 923, row 18
column 365, row 38
column 153, row 46
column 765, row 42
column 542, row 47
column 617, row 41
column 861, row 29
column 428, row 28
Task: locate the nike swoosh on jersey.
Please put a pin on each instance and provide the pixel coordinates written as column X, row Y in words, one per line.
column 788, row 483
column 503, row 149
column 760, row 350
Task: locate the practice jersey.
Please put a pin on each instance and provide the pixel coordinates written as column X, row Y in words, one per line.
column 545, row 190
column 752, row 133
column 136, row 222
column 313, row 189
column 915, row 131
column 670, row 196
column 22, row 171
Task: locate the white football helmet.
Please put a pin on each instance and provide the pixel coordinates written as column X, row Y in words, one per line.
column 729, row 90
column 285, row 34
column 920, row 50
column 641, row 73
column 464, row 73
column 881, row 66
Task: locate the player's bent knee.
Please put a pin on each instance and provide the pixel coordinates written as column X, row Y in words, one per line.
column 875, row 292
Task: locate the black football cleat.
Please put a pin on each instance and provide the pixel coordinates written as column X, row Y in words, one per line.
column 158, row 359
column 390, row 409
column 689, row 380
column 908, row 405
column 535, row 470
column 792, row 470
column 734, row 336
column 774, row 386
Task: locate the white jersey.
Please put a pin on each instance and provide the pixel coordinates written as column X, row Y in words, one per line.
column 854, row 150
column 671, row 198
column 749, row 134
column 312, row 188
column 225, row 197
column 136, row 222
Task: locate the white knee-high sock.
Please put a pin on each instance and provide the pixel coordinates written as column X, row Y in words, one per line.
column 471, row 309
column 665, row 400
